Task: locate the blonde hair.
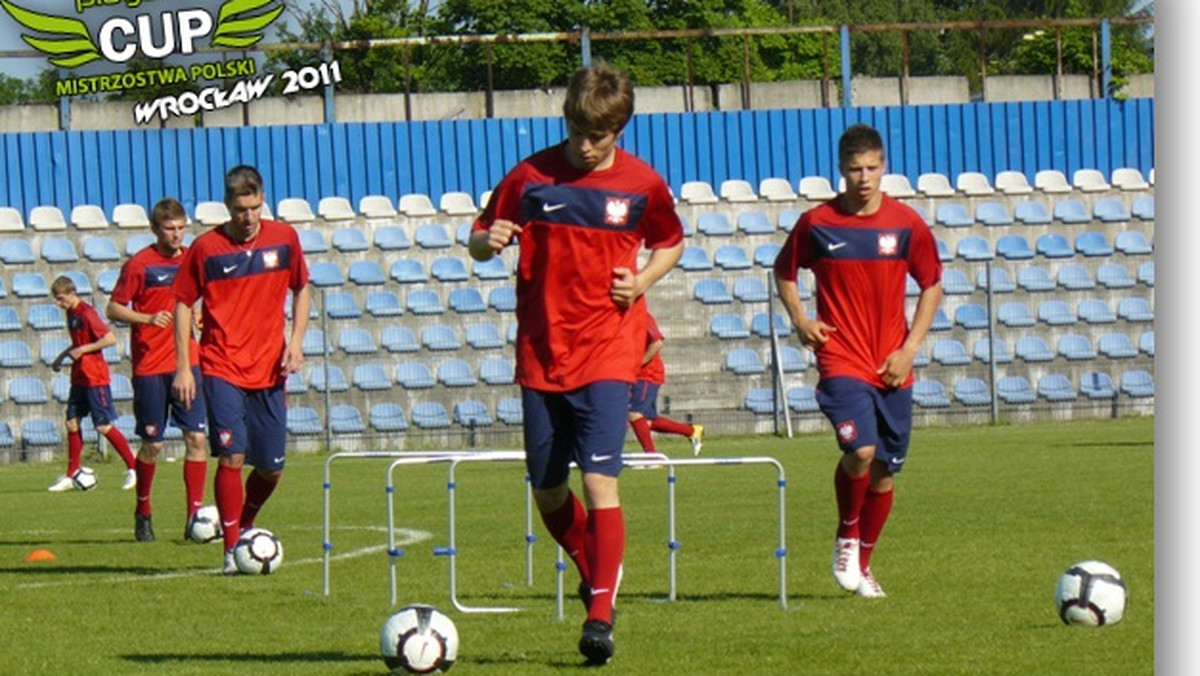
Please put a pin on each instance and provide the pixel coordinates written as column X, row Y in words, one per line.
column 62, row 284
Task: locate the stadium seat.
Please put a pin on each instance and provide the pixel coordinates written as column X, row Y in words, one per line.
column 750, row 290
column 1001, row 281
column 921, row 210
column 751, row 223
column 7, row 440
column 971, row 316
column 312, row 241
column 1135, row 309
column 455, row 372
column 60, row 388
column 1012, row 183
column 1051, row 181
column 732, row 257
column 314, row 342
column 1097, row 385
column 1089, row 180
column 729, row 327
column 1137, row 383
column 9, row 320
column 1032, row 212
column 744, row 362
column 816, row 188
column 1056, row 387
column 356, row 340
column 509, row 411
column 17, row 252
column 50, row 218
column 492, row 269
column 1143, row 208
column 953, row 215
column 765, row 253
column 121, row 387
column 332, row 374
column 1075, row 277
column 786, row 219
column 27, row 390
column 45, row 317
column 714, row 224
column 1110, row 210
column 897, row 186
column 457, row 203
column 295, row 210
column 1033, row 348
column 1095, row 311
column 408, row 271
column 472, row 413
column 466, row 300
column 930, row 394
column 1075, row 347
column 433, row 236
column 760, row 325
column 391, row 238
column 57, row 250
column 712, row 291
column 387, row 417
column 776, row 189
column 11, row 220
column 1116, row 346
column 3, row 289
column 210, row 213
column 483, row 336
column 791, row 359
column 30, row 285
column 941, row 321
column 396, row 338
column 1015, row 390
column 325, row 274
column 983, row 349
column 370, row 377
column 1053, row 245
column 1071, row 212
column 112, row 355
column 503, row 299
column 737, row 190
column 945, row 255
column 1056, row 312
column 416, row 205
column 935, row 184
column 449, row 269
column 497, row 371
column 972, row 391
column 414, row 375
column 802, row 399
column 350, row 239
column 1129, row 179
column 1145, row 273
column 697, row 192
column 425, row 302
column 303, row 421
column 41, row 432
column 1093, row 244
column 83, row 285
column 341, row 305
column 346, row 419
column 335, row 208
column 694, row 259
column 949, row 352
column 106, row 279
column 429, row 415
column 366, row 273
column 439, row 337
column 955, row 282
column 974, row 248
column 1132, row 243
column 1146, row 343
column 100, row 249
column 51, row 346
column 377, row 206
column 1014, row 248
column 1114, row 276
column 1035, row 278
column 993, row 214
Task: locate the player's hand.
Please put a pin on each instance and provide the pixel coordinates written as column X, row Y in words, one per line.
column 624, row 287
column 501, row 233
column 183, row 388
column 814, row 334
column 293, row 359
column 58, row 362
column 896, row 367
column 162, row 319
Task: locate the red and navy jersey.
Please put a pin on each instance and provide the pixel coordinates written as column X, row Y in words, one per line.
column 243, row 288
column 860, row 264
column 86, row 327
column 578, row 226
column 145, row 282
column 653, row 371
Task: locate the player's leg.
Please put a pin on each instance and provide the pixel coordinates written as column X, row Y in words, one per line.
column 226, row 405
column 150, row 413
column 894, row 425
column 266, row 426
column 104, row 414
column 74, row 447
column 641, row 412
column 694, row 432
column 195, row 436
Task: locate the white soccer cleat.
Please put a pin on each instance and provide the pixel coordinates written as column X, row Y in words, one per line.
column 63, row 483
column 130, row 480
column 697, row 439
column 868, row 587
column 230, row 567
column 845, row 563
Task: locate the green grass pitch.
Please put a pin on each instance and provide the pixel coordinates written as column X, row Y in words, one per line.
column 986, row 519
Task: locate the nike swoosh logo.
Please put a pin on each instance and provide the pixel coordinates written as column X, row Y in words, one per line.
column 277, row 460
column 229, row 524
column 553, row 207
column 161, row 277
column 835, row 247
column 229, row 269
column 601, row 458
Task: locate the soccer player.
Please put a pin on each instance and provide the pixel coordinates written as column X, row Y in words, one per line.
column 242, row 272
column 643, row 398
column 91, row 392
column 580, row 211
column 142, row 298
column 860, row 245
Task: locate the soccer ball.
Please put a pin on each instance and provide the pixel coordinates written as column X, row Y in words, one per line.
column 419, row 639
column 84, row 479
column 258, row 552
column 1091, row 594
column 205, row 525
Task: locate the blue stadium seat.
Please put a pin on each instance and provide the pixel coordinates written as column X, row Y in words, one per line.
column 993, row 214
column 346, row 419
column 1114, row 276
column 1128, row 242
column 16, row 252
column 341, row 305
column 802, row 399
column 729, row 327
column 27, row 390
column 7, row 440
column 1097, row 385
column 750, row 290
column 121, row 387
column 1035, row 278
column 791, row 359
column 425, row 302
column 714, row 224
column 1056, row 387
column 971, row 391
column 503, row 299
column 296, row 384
column 712, row 292
column 30, row 285
column 112, row 355
column 1015, row 390
column 1116, row 346
column 466, row 300
column 953, row 215
column 331, row 374
column 1145, row 273
column 303, row 421
column 408, row 271
column 366, row 273
column 1095, row 311
column 930, row 394
column 484, row 336
column 387, row 417
column 1002, row 282
column 325, row 274
column 41, row 432
column 462, row 233
column 414, row 375
column 1110, row 210
column 760, row 400
column 83, row 285
column 760, row 325
column 1071, row 212
column 312, row 241
column 1146, row 343
column 744, row 362
column 765, row 253
column 429, row 415
column 433, row 236
column 1014, row 248
column 974, row 248
column 1075, row 277
column 350, row 239
column 497, row 371
column 439, row 337
column 472, row 413
column 1032, row 212
column 754, row 223
column 391, row 238
column 955, row 282
column 356, row 340
column 510, row 412
column 950, row 352
column 1075, row 347
column 1033, row 348
column 941, row 321
column 786, row 220
column 983, row 349
column 449, row 269
column 1137, row 383
column 492, row 268
column 9, row 320
column 1053, row 245
column 45, row 317
column 383, row 304
column 370, row 377
column 57, row 250
column 1135, row 309
column 945, row 255
column 1093, row 244
column 1056, row 312
column 315, row 342
column 455, row 372
column 971, row 316
column 1143, row 208
column 732, row 257
column 106, row 280
column 694, row 259
column 137, row 242
column 917, row 208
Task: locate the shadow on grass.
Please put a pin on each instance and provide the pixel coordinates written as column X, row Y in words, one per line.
column 252, row 658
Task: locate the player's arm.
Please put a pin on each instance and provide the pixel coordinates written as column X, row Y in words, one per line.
column 123, row 313
column 76, row 351
column 301, row 305
column 628, row 287
column 652, row 350
column 896, row 367
column 184, row 386
column 813, row 332
column 483, row 244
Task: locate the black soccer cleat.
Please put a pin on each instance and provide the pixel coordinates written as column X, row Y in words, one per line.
column 143, row 528
column 585, row 595
column 596, row 642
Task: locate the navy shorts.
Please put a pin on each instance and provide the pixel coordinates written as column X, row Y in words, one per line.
column 153, row 404
column 585, row 426
column 93, row 400
column 863, row 415
column 643, row 398
column 247, row 422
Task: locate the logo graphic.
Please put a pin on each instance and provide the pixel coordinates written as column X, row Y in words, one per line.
column 616, row 211
column 161, row 278
column 847, row 432
column 229, row 269
column 547, row 208
column 834, row 246
column 601, row 458
column 271, row 259
column 888, row 244
column 152, row 430
column 225, row 438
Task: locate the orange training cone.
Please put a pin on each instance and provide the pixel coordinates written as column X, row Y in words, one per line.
column 41, row 555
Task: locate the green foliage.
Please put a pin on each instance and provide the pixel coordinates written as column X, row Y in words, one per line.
column 14, row 91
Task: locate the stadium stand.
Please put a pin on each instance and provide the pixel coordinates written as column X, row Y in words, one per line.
column 737, row 190
column 1032, row 212
column 1033, row 348
column 972, row 391
column 472, row 413
column 1012, row 183
column 935, row 184
column 509, row 411
column 744, row 362
column 714, row 224
column 930, row 394
column 1090, row 180
column 416, row 205
column 775, row 189
column 48, row 218
column 303, row 421
column 1096, row 385
column 1056, row 387
column 983, row 349
column 1015, row 390
column 429, row 415
column 1132, row 243
column 1051, row 181
column 1137, row 383
column 387, row 417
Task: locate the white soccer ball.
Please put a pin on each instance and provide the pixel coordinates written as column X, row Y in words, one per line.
column 419, row 639
column 205, row 525
column 84, row 479
column 258, row 552
column 1091, row 594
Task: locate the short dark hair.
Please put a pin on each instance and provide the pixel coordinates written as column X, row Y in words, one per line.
column 599, row 99
column 166, row 209
column 242, row 180
column 62, row 284
column 857, row 139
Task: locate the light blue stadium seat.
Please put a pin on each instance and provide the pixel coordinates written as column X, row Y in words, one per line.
column 1114, row 276
column 497, row 371
column 993, row 214
column 712, row 292
column 1071, row 212
column 1002, row 282
column 971, row 316
column 45, row 317
column 396, row 338
column 1033, row 348
column 433, row 236
column 106, row 280
column 425, row 302
column 1093, row 244
column 303, row 421
column 754, row 223
column 1143, row 208
column 449, row 269
column 953, row 215
column 1053, row 245
column 346, row 419
column 744, row 362
column 503, row 299
column 455, row 372
column 391, row 238
column 791, row 359
column 370, row 377
column 510, row 411
column 112, row 355
column 30, row 285
column 462, row 233
column 950, row 352
column 750, row 290
column 366, row 273
column 1015, row 390
column 312, row 241
column 729, row 327
column 974, row 248
column 16, row 252
column 472, row 413
column 408, row 271
column 694, row 259
column 466, row 300
column 1075, row 347
column 759, row 400
column 1035, row 278
column 60, row 388
column 971, row 391
column 765, row 254
column 732, row 257
column 484, row 336
column 295, row 383
column 1146, row 343
column 121, row 387
column 9, row 320
column 57, row 250
column 1145, row 273
column 955, row 282
column 941, row 321
column 331, row 374
column 1056, row 387
column 945, row 255
column 356, row 340
column 760, row 325
column 350, row 239
column 387, row 417
column 930, row 394
column 1097, row 385
column 1135, row 309
column 341, row 305
column 7, row 440
column 491, row 269
column 315, row 342
column 1116, row 346
column 1110, row 210
column 1128, row 242
column 1014, row 247
column 1032, row 212
column 1075, row 277
column 439, row 337
column 414, row 375
column 1095, row 311
column 1137, row 383
column 83, row 285
column 802, row 399
column 325, row 274
column 383, row 304
column 982, row 350
column 714, row 224
column 917, row 208
column 3, row 288
column 1056, row 312
column 41, row 432
column 29, row 390
column 786, row 220
column 429, row 415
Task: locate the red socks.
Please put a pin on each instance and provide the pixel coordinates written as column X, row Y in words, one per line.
column 145, row 477
column 121, row 444
column 74, row 451
column 641, row 430
column 851, row 493
column 195, row 474
column 606, row 551
column 568, row 526
column 258, row 489
column 227, row 487
column 668, row 426
column 875, row 511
